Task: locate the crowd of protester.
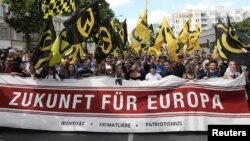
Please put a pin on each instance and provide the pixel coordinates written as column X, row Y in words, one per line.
column 130, row 67
column 126, row 66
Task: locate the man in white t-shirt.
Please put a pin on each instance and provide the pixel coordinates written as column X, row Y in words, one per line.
column 231, row 72
column 153, row 75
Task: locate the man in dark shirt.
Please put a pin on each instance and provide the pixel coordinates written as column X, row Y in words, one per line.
column 86, row 72
column 167, row 69
column 178, row 69
column 16, row 62
column 33, row 73
column 213, row 72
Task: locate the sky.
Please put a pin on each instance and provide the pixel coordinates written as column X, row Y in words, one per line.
column 157, row 9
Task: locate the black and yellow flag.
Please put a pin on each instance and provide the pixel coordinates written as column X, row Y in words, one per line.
column 86, row 22
column 236, row 35
column 140, row 35
column 116, row 52
column 42, row 53
column 142, row 24
column 231, row 49
column 193, row 44
column 184, row 34
column 63, row 43
column 220, row 29
column 131, row 50
column 135, row 40
column 151, row 31
column 119, row 48
column 120, row 38
column 124, row 34
column 77, row 29
column 172, row 44
column 55, row 7
column 218, row 51
column 159, row 38
column 76, row 51
column 107, row 41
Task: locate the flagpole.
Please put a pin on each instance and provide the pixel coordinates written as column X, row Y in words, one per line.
column 10, row 37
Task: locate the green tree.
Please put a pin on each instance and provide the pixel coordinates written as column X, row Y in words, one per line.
column 24, row 16
column 117, row 24
column 243, row 26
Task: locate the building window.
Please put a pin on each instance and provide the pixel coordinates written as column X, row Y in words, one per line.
column 237, row 19
column 203, row 26
column 203, row 15
column 2, row 10
column 203, row 20
column 4, row 33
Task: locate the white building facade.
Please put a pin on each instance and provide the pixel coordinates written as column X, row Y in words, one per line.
column 206, row 19
column 8, row 36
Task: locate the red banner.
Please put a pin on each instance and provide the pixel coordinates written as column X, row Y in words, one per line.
column 98, row 105
column 124, row 100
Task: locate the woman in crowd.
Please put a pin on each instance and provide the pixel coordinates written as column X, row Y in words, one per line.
column 52, row 74
column 95, row 71
column 71, row 72
column 190, row 73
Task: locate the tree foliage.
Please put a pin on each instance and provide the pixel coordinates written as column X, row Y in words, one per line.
column 24, row 16
column 117, row 24
column 243, row 26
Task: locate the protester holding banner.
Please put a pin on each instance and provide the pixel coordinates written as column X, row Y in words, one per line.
column 71, row 72
column 133, row 73
column 33, row 74
column 8, row 65
column 231, row 72
column 118, row 72
column 190, row 73
column 222, row 67
column 52, row 75
column 86, row 72
column 212, row 71
column 95, row 70
column 125, row 68
column 178, row 68
column 153, row 75
column 13, row 63
column 167, row 69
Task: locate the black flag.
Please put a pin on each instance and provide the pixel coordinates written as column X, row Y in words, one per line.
column 42, row 53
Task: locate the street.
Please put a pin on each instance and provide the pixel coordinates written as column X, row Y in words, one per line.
column 10, row 134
